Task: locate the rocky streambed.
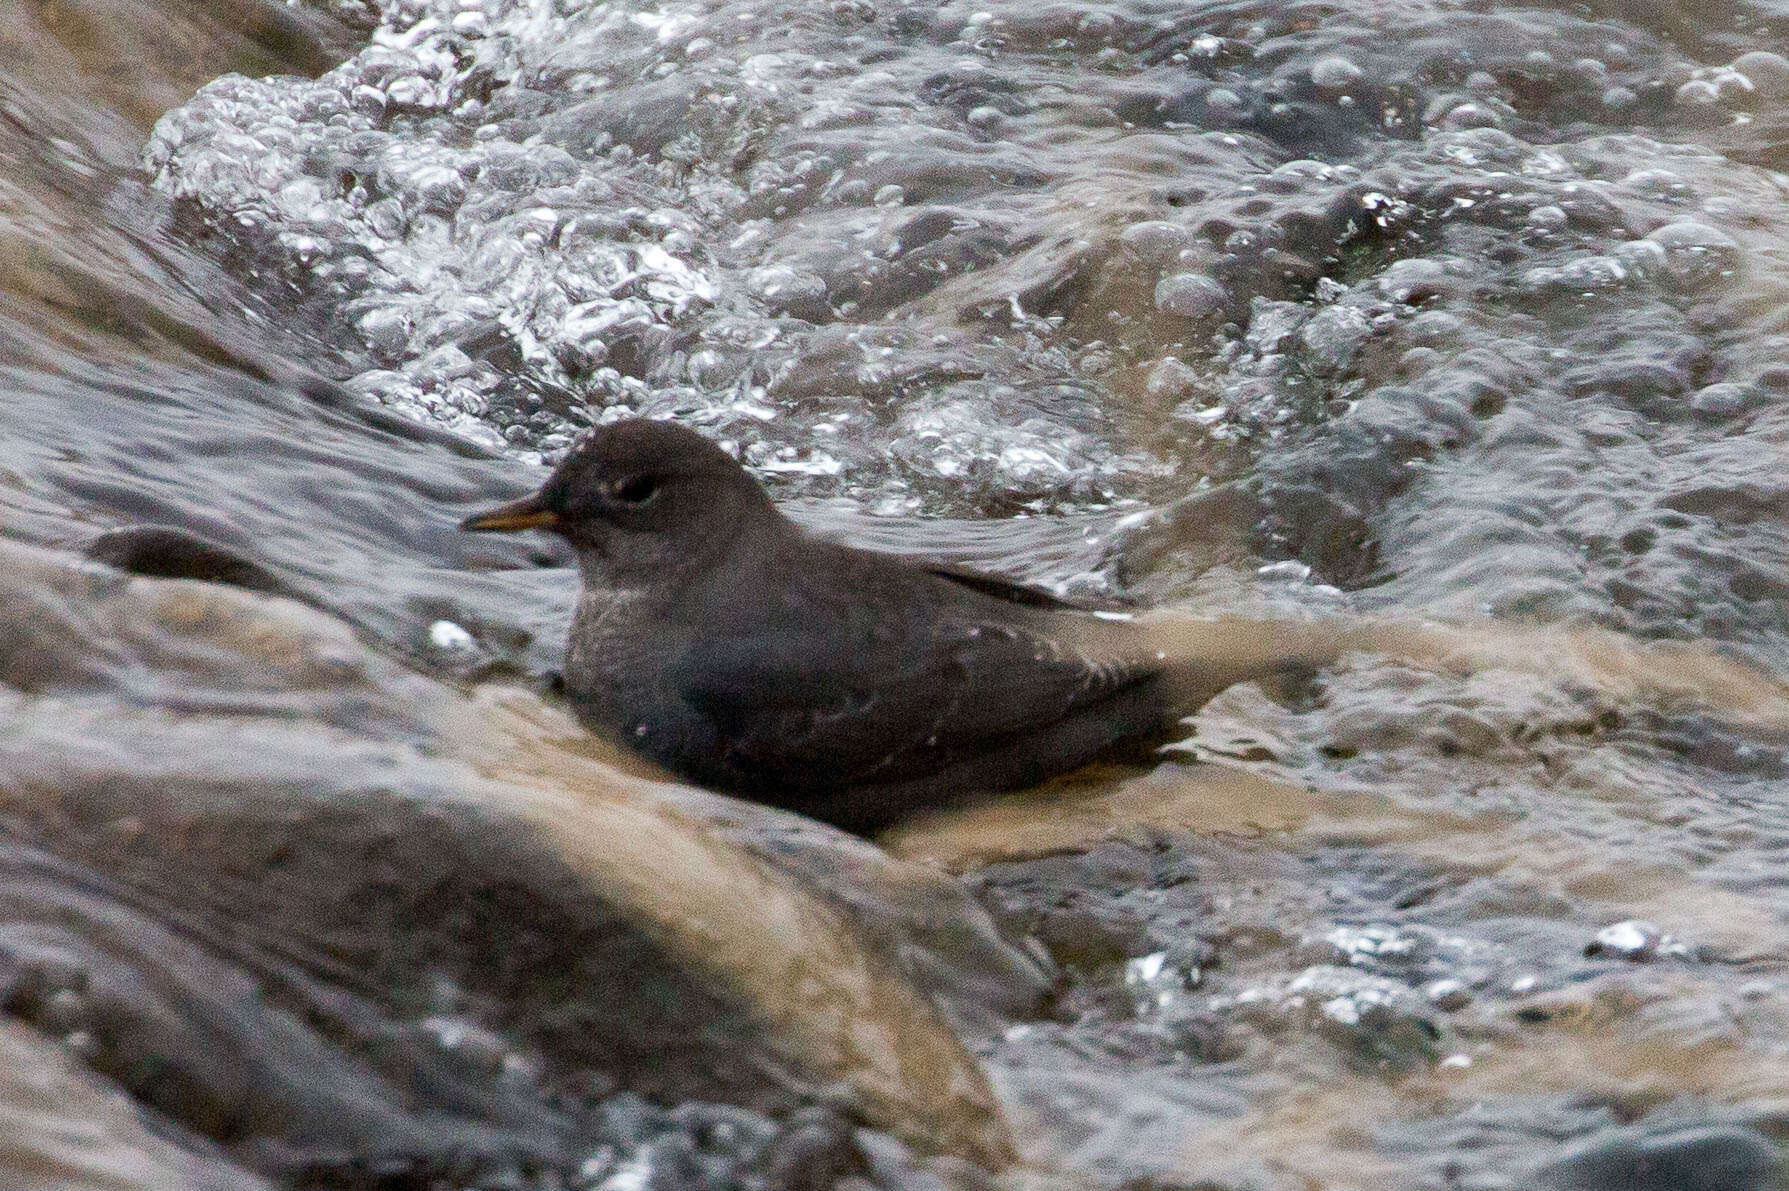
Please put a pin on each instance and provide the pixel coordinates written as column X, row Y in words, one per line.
column 1435, row 346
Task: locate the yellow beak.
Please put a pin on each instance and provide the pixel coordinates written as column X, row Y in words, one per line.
column 527, row 513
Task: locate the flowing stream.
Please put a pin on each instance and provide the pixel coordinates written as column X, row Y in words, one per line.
column 1422, row 366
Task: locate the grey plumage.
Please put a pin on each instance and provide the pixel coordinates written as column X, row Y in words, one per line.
column 718, row 638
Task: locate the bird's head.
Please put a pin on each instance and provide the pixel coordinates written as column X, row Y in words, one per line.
column 640, row 501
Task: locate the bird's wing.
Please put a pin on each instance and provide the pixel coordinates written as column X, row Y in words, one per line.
column 1000, row 587
column 1012, row 591
column 798, row 710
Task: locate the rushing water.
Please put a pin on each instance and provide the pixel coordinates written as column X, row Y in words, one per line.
column 1436, row 347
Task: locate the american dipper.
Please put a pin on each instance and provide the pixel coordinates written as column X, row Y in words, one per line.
column 721, row 640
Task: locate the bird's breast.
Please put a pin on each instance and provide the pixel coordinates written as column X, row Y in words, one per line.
column 612, row 654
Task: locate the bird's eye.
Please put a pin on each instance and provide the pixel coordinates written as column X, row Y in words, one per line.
column 636, row 490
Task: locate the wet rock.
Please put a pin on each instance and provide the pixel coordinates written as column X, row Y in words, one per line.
column 711, row 1147
column 895, row 1166
column 1379, row 945
column 1705, row 1158
column 170, row 553
column 1089, row 941
column 1380, row 1022
column 1635, row 941
column 498, row 956
column 942, row 936
column 64, row 1129
column 1334, row 335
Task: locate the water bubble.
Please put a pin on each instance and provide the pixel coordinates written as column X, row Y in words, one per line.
column 783, row 288
column 449, row 637
column 1171, row 380
column 1471, row 115
column 1448, row 994
column 1632, row 940
column 1731, row 87
column 1096, row 25
column 471, row 23
column 1723, row 400
column 386, row 330
column 1548, row 217
column 1223, row 102
column 1418, row 360
column 1155, row 241
column 1190, row 295
column 1289, row 570
column 1695, row 254
column 1435, row 326
column 63, row 1011
column 1335, row 72
column 1767, row 72
column 1698, row 93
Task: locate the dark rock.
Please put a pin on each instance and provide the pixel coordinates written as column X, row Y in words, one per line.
column 1704, row 1158
column 166, row 552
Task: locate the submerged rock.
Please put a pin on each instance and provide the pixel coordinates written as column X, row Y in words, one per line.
column 66, row 1131
column 1709, row 1158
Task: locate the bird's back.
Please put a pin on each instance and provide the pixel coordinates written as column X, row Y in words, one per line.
column 820, row 672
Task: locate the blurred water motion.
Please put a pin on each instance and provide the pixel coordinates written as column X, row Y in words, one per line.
column 1420, row 363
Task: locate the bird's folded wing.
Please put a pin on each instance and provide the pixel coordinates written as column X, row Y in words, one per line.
column 799, row 709
column 1013, row 591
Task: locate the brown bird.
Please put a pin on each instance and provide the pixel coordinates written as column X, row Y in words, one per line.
column 733, row 648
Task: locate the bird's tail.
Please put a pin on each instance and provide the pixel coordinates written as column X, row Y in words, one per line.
column 1201, row 657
